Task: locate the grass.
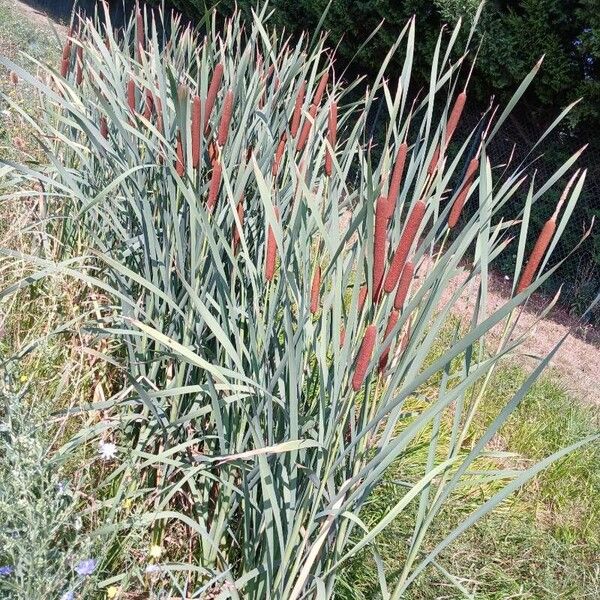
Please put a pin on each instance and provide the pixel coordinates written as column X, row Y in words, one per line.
column 540, row 544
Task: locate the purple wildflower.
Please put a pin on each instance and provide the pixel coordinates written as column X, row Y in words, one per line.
column 85, row 567
column 6, row 570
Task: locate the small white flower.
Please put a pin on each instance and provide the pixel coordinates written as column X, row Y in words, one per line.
column 107, row 450
column 152, row 569
column 506, row 277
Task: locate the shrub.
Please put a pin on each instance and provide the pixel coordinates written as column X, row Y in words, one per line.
column 256, row 416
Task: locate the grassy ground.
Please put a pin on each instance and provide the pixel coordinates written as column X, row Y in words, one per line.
column 541, row 544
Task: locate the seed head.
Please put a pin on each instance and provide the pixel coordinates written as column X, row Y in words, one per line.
column 314, row 290
column 331, row 137
column 364, row 357
column 225, row 118
column 403, row 285
column 271, row 254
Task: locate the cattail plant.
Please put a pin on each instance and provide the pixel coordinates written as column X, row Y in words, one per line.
column 453, row 120
column 379, row 245
column 413, row 222
column 79, row 65
column 363, row 358
column 297, row 114
column 391, row 323
column 131, row 95
column 271, row 251
column 225, row 118
column 237, row 424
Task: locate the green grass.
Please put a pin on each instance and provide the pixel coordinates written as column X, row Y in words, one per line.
column 544, row 542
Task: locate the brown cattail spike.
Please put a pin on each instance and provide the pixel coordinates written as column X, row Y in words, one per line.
column 131, row 95
column 149, row 105
column 103, row 127
column 404, row 245
column 379, row 246
column 271, row 253
column 455, row 116
column 225, row 118
column 79, row 71
column 434, row 161
column 396, row 180
column 459, row 203
column 303, row 138
column 331, row 138
column 362, row 296
column 66, row 58
column 213, row 90
column 541, row 245
column 179, row 164
column 236, row 231
column 403, row 285
column 295, row 124
column 279, row 154
column 139, row 34
column 314, row 290
column 364, row 357
column 392, row 321
column 196, row 130
column 215, row 184
column 321, row 89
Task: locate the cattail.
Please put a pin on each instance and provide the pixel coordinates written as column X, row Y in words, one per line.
column 159, row 116
column 392, row 320
column 314, row 291
column 131, row 95
column 212, row 151
column 295, row 124
column 236, row 231
column 103, row 127
column 342, row 335
column 541, row 245
column 303, row 138
column 64, row 66
column 279, row 154
column 271, row 253
column 14, row 78
column 464, row 192
column 455, row 116
column 434, row 161
column 79, row 59
column 331, row 137
column 321, row 89
column 396, row 180
column 225, row 118
column 403, row 285
column 213, row 89
column 196, row 130
column 364, row 356
column 215, row 184
column 149, row 104
column 404, row 245
column 362, row 296
column 379, row 246
column 66, row 58
column 140, row 34
column 180, row 164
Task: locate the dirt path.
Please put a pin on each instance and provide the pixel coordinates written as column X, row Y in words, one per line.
column 576, row 365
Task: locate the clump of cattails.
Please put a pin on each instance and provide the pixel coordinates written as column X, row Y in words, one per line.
column 314, row 290
column 459, row 203
column 364, row 357
column 404, row 245
column 213, row 90
column 331, row 137
column 379, row 246
column 297, row 114
column 196, row 130
column 392, row 321
column 396, row 179
column 403, row 285
column 271, row 252
column 214, row 186
column 225, row 118
column 543, row 241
